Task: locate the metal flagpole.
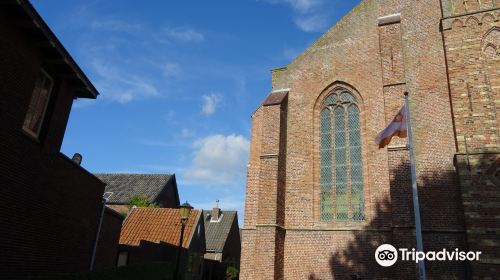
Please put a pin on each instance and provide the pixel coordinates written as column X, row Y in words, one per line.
column 416, row 208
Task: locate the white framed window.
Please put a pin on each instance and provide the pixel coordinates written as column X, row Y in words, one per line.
column 37, row 108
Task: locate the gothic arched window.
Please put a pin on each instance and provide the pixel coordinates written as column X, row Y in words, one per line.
column 341, row 175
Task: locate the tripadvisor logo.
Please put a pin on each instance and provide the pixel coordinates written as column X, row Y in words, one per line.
column 386, row 255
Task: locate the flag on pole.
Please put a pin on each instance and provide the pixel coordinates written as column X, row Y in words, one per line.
column 396, row 128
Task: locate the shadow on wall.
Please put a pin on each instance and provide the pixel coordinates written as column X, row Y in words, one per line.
column 442, row 216
column 356, row 261
column 190, row 262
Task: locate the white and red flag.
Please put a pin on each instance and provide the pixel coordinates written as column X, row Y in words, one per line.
column 396, row 128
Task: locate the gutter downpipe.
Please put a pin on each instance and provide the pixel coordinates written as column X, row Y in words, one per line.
column 105, row 199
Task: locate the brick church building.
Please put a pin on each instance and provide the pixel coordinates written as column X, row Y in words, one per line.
column 321, row 196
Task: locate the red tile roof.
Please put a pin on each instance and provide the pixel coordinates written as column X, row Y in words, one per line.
column 157, row 225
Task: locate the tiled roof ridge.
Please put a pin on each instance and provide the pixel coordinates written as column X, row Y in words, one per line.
column 142, row 222
column 221, row 210
column 127, row 185
column 159, row 208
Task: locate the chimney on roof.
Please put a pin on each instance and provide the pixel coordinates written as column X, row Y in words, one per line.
column 77, row 158
column 216, row 213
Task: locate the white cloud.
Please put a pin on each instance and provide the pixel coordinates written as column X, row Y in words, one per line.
column 156, row 143
column 310, row 15
column 311, row 23
column 122, row 86
column 172, row 70
column 219, row 159
column 210, row 103
column 170, row 116
column 160, row 143
column 186, row 132
column 115, row 25
column 301, row 6
column 181, row 34
column 118, row 54
column 160, row 168
column 165, row 34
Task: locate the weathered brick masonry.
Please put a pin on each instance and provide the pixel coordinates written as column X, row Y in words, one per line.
column 472, row 45
column 49, row 205
column 446, row 56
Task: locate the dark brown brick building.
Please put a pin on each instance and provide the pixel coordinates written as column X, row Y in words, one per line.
column 49, row 205
column 321, row 196
column 109, row 236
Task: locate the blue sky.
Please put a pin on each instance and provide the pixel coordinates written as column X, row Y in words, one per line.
column 179, row 81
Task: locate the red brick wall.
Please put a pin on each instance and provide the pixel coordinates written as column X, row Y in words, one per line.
column 377, row 63
column 49, row 205
column 248, row 258
column 268, row 228
column 472, row 41
column 253, row 171
column 248, row 232
column 474, row 79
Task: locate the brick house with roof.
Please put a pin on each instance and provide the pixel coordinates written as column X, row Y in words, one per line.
column 153, row 235
column 321, row 196
column 50, row 205
column 160, row 189
column 223, row 240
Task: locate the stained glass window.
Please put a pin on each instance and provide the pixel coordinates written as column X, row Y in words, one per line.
column 326, row 165
column 341, row 175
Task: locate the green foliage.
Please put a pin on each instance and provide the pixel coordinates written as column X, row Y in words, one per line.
column 231, row 272
column 150, row 271
column 124, row 212
column 140, row 201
